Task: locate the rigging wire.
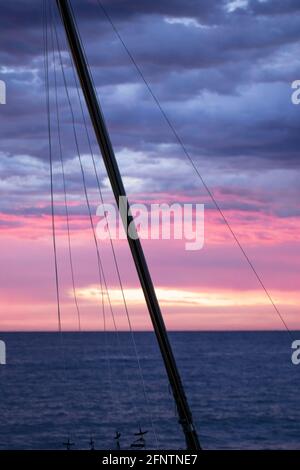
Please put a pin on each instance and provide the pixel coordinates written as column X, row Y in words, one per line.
column 100, row 266
column 82, row 173
column 95, row 88
column 66, row 202
column 112, row 247
column 65, row 189
column 53, row 227
column 46, row 64
column 194, row 166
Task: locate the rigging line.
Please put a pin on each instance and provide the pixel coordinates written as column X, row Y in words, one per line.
column 48, row 107
column 111, row 243
column 114, row 255
column 66, row 204
column 64, row 185
column 90, row 147
column 106, row 288
column 81, row 167
column 65, row 199
column 65, row 190
column 58, row 122
column 197, row 173
column 59, row 51
column 46, row 64
column 93, row 83
column 112, row 246
column 100, row 267
column 183, row 147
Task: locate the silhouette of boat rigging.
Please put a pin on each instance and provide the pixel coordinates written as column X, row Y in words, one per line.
column 103, row 139
column 82, row 74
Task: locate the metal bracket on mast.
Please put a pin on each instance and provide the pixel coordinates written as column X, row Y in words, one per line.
column 184, row 413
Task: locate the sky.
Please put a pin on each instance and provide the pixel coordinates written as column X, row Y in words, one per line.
column 222, row 71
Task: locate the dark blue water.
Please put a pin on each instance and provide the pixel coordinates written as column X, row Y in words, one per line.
column 242, row 387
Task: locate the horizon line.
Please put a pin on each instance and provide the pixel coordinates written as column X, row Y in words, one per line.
column 277, row 330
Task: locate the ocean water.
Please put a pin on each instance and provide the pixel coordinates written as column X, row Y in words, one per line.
column 242, row 388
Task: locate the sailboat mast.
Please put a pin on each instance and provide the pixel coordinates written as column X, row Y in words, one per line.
column 184, row 413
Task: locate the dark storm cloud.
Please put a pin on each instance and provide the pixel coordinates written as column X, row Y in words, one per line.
column 274, row 7
column 204, row 10
column 222, row 76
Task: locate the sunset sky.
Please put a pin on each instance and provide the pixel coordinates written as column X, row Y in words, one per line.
column 222, row 71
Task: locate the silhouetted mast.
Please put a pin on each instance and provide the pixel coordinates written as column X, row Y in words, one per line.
column 185, row 416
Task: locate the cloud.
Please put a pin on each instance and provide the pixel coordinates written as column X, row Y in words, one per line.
column 222, row 71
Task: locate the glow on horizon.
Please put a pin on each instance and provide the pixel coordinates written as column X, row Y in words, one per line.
column 183, row 309
column 175, row 297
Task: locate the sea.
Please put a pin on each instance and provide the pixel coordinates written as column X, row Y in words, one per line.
column 85, row 387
